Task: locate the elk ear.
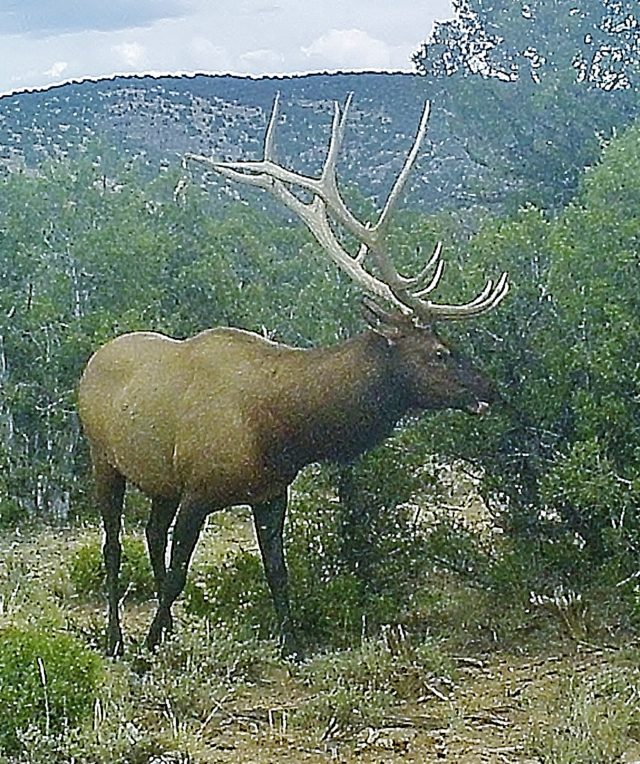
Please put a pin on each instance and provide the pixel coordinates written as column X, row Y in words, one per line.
column 389, row 325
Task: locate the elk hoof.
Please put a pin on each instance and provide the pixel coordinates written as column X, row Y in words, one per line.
column 162, row 624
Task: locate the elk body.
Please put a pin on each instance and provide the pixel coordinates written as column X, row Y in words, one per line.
column 228, row 417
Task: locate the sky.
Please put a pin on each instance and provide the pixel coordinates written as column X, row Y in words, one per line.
column 44, row 42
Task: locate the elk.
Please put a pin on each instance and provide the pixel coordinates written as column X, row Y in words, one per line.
column 228, row 417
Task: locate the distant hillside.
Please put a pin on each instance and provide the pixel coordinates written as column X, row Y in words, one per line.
column 162, row 118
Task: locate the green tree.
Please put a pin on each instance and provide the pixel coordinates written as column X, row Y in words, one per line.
column 528, row 91
column 90, row 248
column 596, row 43
column 560, row 456
column 79, row 258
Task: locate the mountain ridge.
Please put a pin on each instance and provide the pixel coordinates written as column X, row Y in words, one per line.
column 161, row 118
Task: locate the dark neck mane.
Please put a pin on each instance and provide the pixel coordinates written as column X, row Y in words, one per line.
column 346, row 399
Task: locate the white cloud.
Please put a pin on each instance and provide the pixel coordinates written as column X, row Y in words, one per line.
column 201, row 54
column 265, row 9
column 44, row 18
column 131, row 53
column 56, row 69
column 348, row 48
column 262, row 60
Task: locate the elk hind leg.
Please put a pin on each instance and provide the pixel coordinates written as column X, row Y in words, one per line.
column 162, row 513
column 189, row 521
column 110, row 486
column 269, row 522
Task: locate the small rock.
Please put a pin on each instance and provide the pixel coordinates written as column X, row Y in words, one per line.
column 387, row 739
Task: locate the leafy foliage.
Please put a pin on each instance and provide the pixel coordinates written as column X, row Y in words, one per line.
column 353, row 561
column 48, row 681
column 86, row 572
column 547, row 81
column 85, row 256
column 560, row 459
column 598, row 43
column 93, row 246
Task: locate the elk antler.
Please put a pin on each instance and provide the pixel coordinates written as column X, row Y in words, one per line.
column 408, row 294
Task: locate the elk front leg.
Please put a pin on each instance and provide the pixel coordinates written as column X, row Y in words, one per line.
column 109, row 486
column 189, row 522
column 269, row 522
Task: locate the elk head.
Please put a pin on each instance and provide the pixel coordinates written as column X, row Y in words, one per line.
column 431, row 374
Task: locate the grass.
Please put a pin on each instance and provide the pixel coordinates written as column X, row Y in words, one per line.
column 595, row 715
column 458, row 678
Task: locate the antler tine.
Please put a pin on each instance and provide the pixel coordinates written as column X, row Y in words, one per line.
column 314, row 216
column 269, row 145
column 489, row 298
column 337, row 136
column 386, row 267
column 400, row 181
column 327, row 186
column 415, row 281
column 435, row 280
column 363, row 251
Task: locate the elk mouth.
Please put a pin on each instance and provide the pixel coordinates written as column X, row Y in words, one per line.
column 480, row 408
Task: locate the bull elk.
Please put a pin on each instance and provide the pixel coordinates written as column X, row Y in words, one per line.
column 228, row 417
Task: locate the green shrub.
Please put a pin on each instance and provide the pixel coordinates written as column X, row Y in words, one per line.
column 560, row 456
column 233, row 592
column 48, row 682
column 86, row 570
column 12, row 514
column 329, row 611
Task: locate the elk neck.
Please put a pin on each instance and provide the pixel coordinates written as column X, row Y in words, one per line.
column 342, row 401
